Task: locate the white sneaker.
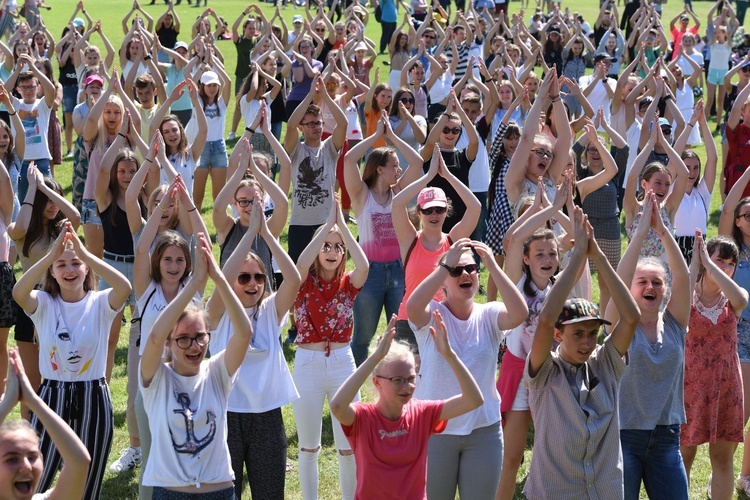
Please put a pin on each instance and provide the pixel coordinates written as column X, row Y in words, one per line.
column 130, row 458
column 743, row 484
column 232, row 136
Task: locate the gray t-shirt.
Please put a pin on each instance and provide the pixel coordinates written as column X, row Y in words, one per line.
column 313, row 175
column 651, row 391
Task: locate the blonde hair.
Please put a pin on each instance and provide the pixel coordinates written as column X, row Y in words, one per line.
column 399, row 351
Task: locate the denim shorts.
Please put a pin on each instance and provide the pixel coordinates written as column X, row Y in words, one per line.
column 126, row 269
column 743, row 340
column 90, row 213
column 70, row 98
column 214, row 155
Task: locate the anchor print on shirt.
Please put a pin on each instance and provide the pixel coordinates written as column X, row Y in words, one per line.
column 192, row 444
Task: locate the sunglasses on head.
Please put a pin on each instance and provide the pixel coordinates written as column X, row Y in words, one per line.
column 244, row 278
column 431, row 210
column 407, row 100
column 449, row 130
column 459, row 270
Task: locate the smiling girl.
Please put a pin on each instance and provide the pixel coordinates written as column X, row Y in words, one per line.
column 73, row 323
column 323, row 361
column 186, row 398
column 264, row 384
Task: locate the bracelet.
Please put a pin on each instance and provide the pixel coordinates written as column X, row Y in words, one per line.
column 122, row 135
column 27, row 203
column 147, row 58
column 248, row 129
column 13, row 114
column 691, row 124
column 161, row 208
column 193, row 209
column 150, row 161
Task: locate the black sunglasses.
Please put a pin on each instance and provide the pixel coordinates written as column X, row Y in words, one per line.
column 244, row 278
column 459, row 270
column 407, row 100
column 431, row 210
column 449, row 130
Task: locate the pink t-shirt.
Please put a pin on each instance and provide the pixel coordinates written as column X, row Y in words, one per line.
column 391, row 455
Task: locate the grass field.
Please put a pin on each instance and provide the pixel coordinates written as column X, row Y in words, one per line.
column 111, row 13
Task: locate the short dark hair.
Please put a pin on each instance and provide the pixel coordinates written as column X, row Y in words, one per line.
column 25, row 76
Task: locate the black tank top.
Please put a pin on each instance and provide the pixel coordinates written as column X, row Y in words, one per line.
column 117, row 237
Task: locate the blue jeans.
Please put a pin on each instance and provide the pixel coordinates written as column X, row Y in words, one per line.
column 23, row 182
column 654, row 457
column 384, row 287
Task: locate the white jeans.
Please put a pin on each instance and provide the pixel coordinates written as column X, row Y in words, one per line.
column 318, row 376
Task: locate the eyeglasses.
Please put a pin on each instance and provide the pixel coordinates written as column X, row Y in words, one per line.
column 407, row 100
column 429, row 37
column 449, row 130
column 243, row 203
column 244, row 278
column 592, row 150
column 27, row 87
column 312, row 124
column 431, row 210
column 459, row 270
column 745, row 216
column 339, row 248
column 320, row 30
column 545, row 155
column 401, row 381
column 201, row 339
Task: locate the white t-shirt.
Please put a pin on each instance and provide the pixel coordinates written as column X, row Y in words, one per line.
column 687, row 68
column 249, row 109
column 479, row 172
column 693, row 211
column 188, row 422
column 216, row 117
column 73, row 336
column 599, row 96
column 156, row 304
column 264, row 381
column 185, row 166
column 476, row 341
column 35, row 119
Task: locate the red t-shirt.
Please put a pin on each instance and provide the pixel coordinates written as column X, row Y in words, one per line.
column 324, row 310
column 391, row 455
column 739, row 155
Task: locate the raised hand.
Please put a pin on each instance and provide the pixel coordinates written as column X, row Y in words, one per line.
column 384, row 344
column 439, row 335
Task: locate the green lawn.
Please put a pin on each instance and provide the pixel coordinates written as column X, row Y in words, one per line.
column 111, row 12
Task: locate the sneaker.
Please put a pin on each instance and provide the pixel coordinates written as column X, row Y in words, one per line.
column 743, row 485
column 69, row 154
column 130, row 459
column 232, row 136
column 708, row 489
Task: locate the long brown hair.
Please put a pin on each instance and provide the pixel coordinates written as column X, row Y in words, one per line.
column 378, row 157
column 125, row 155
column 37, row 225
column 539, row 234
column 316, row 268
column 165, row 240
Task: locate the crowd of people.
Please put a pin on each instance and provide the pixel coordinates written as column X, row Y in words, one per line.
column 513, row 143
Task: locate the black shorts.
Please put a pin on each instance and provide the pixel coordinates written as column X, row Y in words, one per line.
column 8, row 306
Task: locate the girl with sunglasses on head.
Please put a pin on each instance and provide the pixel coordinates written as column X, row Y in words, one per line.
column 396, row 467
column 73, row 321
column 409, row 126
column 257, row 438
column 469, row 453
column 421, row 249
column 187, row 397
column 324, row 316
column 240, row 191
column 735, row 224
column 444, row 135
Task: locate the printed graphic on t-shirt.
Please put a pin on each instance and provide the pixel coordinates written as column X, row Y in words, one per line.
column 382, row 229
column 310, row 191
column 65, row 356
column 192, row 444
column 30, row 120
column 392, row 434
column 211, row 111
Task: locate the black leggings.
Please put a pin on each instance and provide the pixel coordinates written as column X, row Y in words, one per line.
column 385, row 37
column 257, row 442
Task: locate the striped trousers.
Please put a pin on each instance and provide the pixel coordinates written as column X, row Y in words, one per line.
column 87, row 408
